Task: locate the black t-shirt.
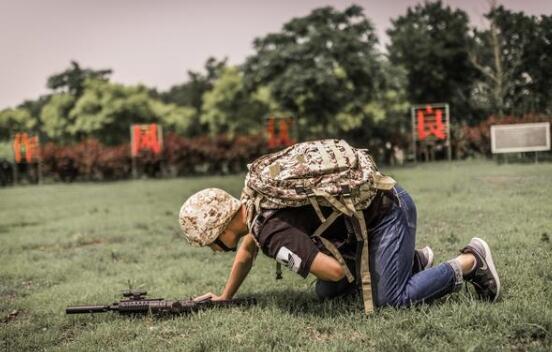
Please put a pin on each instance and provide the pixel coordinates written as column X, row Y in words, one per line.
column 285, row 236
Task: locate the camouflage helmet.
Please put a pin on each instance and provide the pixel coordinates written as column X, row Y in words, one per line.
column 205, row 215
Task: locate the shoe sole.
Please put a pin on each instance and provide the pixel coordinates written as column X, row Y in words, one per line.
column 490, row 264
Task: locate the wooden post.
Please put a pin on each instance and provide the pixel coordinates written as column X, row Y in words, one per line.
column 449, row 152
column 39, row 172
column 39, row 159
column 132, row 157
column 413, row 117
column 14, row 162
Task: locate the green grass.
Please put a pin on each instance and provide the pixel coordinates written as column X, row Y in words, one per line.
column 75, row 244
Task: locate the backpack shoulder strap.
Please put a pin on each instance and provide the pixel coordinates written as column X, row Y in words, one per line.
column 330, row 246
column 363, row 263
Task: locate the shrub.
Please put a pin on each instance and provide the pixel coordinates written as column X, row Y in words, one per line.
column 91, row 160
column 211, row 155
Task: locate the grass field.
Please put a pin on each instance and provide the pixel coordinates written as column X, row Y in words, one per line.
column 75, row 244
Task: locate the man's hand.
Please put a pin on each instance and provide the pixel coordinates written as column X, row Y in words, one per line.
column 209, row 296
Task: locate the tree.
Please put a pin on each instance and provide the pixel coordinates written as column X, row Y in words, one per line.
column 189, row 95
column 229, row 108
column 183, row 120
column 502, row 54
column 54, row 116
column 385, row 118
column 25, row 117
column 35, row 107
column 513, row 56
column 72, row 79
column 539, row 66
column 318, row 66
column 431, row 42
column 18, row 119
column 106, row 110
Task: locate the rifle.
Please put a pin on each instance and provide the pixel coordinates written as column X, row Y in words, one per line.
column 138, row 303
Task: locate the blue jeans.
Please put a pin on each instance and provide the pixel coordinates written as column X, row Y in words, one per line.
column 392, row 243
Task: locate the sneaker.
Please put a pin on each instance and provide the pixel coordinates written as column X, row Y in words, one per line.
column 484, row 276
column 423, row 259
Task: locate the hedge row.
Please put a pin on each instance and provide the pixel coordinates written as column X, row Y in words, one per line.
column 91, row 160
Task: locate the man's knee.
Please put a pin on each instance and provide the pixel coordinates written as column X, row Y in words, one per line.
column 331, row 289
column 395, row 301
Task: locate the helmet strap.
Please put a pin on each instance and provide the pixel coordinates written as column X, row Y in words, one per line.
column 224, row 247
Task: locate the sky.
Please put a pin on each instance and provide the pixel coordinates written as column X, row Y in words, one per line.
column 155, row 42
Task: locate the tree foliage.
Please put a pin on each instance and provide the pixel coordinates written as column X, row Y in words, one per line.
column 72, row 79
column 55, row 118
column 318, row 66
column 15, row 119
column 431, row 42
column 191, row 92
column 106, row 110
column 228, row 107
column 513, row 57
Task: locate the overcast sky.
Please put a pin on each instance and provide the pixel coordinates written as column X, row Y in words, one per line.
column 155, row 42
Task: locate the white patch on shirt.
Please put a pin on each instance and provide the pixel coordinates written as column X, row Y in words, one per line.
column 289, row 259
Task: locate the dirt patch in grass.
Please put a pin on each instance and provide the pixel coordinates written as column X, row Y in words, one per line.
column 5, row 228
column 77, row 242
column 8, row 295
column 10, row 317
column 319, row 334
column 503, row 180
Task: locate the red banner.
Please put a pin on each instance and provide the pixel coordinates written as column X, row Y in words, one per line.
column 146, row 137
column 430, row 122
column 280, row 138
column 25, row 148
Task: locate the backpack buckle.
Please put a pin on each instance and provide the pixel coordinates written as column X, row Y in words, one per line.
column 346, row 190
column 302, row 190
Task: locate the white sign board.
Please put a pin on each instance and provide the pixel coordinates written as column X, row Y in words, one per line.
column 523, row 137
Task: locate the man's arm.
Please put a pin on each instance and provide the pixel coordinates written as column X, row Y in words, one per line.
column 243, row 262
column 241, row 266
column 326, row 268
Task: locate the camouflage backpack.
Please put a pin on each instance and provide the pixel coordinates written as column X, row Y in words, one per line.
column 325, row 173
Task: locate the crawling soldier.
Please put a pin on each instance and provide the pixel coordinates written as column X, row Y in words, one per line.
column 400, row 275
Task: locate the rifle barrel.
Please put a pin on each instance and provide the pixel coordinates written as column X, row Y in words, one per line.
column 87, row 309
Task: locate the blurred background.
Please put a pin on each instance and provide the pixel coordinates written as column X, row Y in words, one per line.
column 109, row 90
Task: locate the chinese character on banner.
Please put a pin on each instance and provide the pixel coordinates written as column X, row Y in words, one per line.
column 146, row 137
column 281, row 138
column 25, row 148
column 429, row 120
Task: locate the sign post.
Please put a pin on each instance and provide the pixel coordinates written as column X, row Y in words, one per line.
column 430, row 130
